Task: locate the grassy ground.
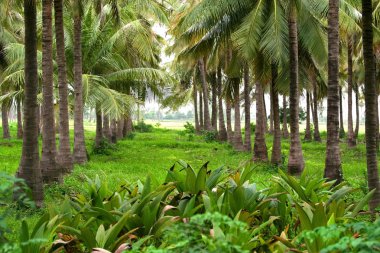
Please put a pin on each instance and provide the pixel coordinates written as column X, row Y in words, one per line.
column 155, row 152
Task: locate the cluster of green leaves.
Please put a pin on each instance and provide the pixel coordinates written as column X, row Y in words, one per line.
column 142, row 127
column 200, row 211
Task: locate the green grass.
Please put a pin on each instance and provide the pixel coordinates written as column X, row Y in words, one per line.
column 154, row 153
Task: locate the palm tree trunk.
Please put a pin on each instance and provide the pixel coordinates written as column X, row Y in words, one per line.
column 341, row 122
column 370, row 105
column 214, row 107
column 222, row 126
column 106, row 127
column 29, row 168
column 5, row 122
column 308, row 127
column 201, row 115
column 120, row 126
column 129, row 124
column 237, row 140
column 19, row 120
column 64, row 157
column 357, row 123
column 271, row 112
column 49, row 168
column 99, row 126
column 285, row 132
column 113, row 131
column 276, row 148
column 265, row 121
column 125, row 131
column 333, row 167
column 202, row 69
column 247, row 110
column 195, row 102
column 350, row 126
column 317, row 136
column 230, row 133
column 296, row 162
column 260, row 152
column 80, row 153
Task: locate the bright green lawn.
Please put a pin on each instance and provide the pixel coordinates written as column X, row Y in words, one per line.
column 154, row 153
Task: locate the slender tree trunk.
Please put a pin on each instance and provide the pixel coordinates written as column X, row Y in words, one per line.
column 247, row 110
column 201, row 115
column 350, row 126
column 129, row 124
column 125, row 131
column 222, row 126
column 230, row 133
column 265, row 121
column 317, row 136
column 341, row 122
column 260, row 152
column 308, row 127
column 49, row 168
column 64, row 157
column 271, row 112
column 80, row 153
column 237, row 140
column 357, row 123
column 19, row 120
column 113, row 131
column 214, row 111
column 296, row 162
column 99, row 126
column 106, row 127
column 370, row 94
column 195, row 102
column 120, row 126
column 29, row 168
column 333, row 169
column 285, row 132
column 4, row 118
column 202, row 69
column 276, row 148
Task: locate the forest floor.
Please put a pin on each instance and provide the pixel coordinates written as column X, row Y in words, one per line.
column 153, row 153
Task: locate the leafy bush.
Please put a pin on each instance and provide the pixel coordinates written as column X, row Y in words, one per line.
column 131, row 135
column 210, row 136
column 104, row 148
column 142, row 127
column 253, row 127
column 189, row 128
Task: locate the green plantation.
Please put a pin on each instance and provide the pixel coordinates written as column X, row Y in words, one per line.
column 144, row 185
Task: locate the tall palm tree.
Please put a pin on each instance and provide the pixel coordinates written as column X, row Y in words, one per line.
column 370, row 104
column 276, row 148
column 222, row 125
column 4, row 119
column 333, row 166
column 260, row 152
column 247, row 110
column 29, row 168
column 296, row 162
column 350, row 126
column 80, row 153
column 308, row 127
column 285, row 132
column 48, row 165
column 317, row 136
column 64, row 157
column 202, row 70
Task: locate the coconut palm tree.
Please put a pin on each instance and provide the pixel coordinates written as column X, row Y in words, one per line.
column 29, row 168
column 371, row 125
column 333, row 166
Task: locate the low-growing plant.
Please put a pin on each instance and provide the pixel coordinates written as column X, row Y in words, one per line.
column 210, row 136
column 104, row 148
column 142, row 127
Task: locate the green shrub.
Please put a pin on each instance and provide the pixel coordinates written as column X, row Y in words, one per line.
column 104, row 148
column 210, row 136
column 253, row 127
column 142, row 127
column 131, row 135
column 189, row 128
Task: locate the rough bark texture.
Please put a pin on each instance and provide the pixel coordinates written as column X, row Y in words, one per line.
column 285, row 132
column 99, row 126
column 29, row 168
column 370, row 105
column 120, row 126
column 260, row 152
column 113, row 131
column 49, row 168
column 276, row 148
column 308, row 127
column 206, row 117
column 247, row 110
column 271, row 112
column 125, row 132
column 64, row 157
column 342, row 133
column 4, row 119
column 80, row 153
column 195, row 102
column 214, row 107
column 333, row 167
column 106, row 127
column 317, row 136
column 230, row 133
column 351, row 141
column 237, row 140
column 19, row 120
column 222, row 127
column 296, row 162
column 129, row 125
column 357, row 123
